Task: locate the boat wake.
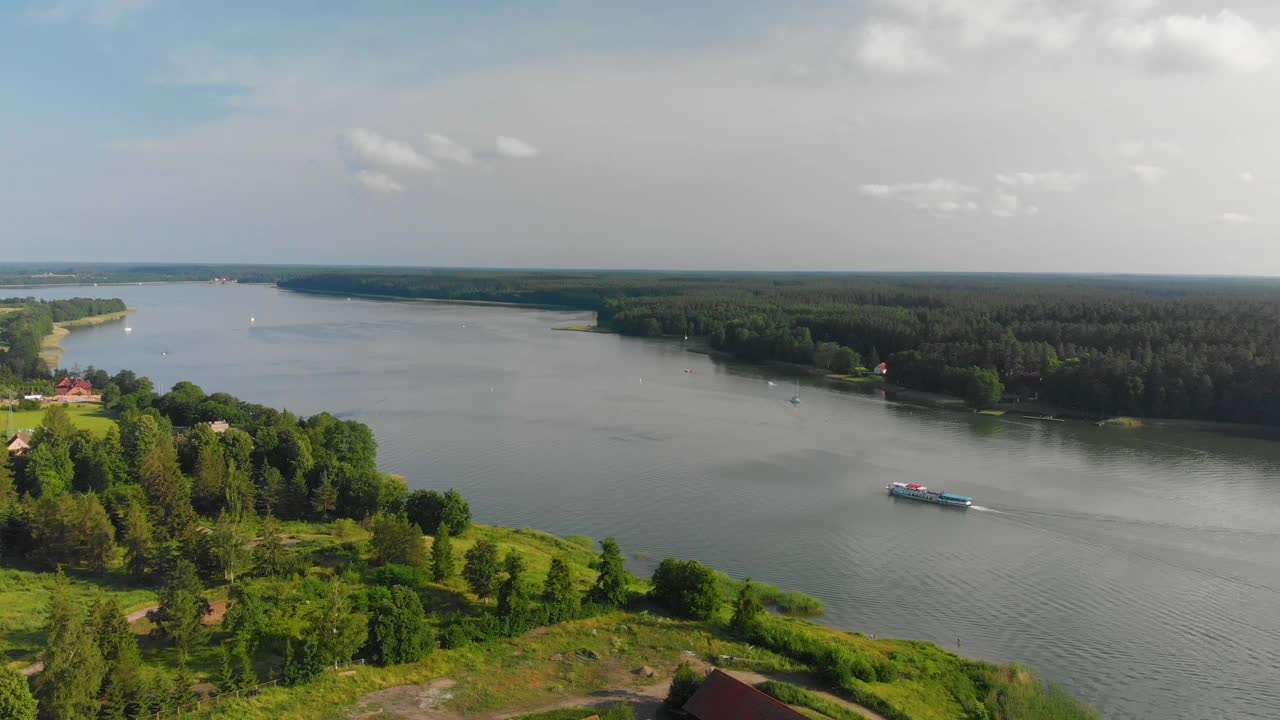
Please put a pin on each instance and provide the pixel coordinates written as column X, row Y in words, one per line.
column 980, row 508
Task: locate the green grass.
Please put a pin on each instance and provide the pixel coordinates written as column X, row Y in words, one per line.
column 797, row 696
column 788, row 602
column 87, row 416
column 858, row 377
column 993, row 413
column 24, row 601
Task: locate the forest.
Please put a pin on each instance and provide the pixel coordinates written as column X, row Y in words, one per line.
column 1100, row 346
column 263, row 567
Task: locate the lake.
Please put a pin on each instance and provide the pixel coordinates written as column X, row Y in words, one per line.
column 1141, row 569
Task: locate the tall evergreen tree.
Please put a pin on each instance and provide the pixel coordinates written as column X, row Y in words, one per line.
column 558, row 593
column 139, row 544
column 167, row 491
column 68, row 685
column 747, row 610
column 270, row 557
column 610, row 588
column 512, row 598
column 481, row 568
column 443, row 563
column 180, row 615
column 324, row 500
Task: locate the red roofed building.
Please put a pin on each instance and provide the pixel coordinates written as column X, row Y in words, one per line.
column 67, row 387
column 724, row 697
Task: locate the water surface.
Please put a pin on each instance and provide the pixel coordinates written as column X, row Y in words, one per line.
column 1138, row 568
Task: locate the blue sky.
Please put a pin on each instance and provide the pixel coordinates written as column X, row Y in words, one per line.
column 1091, row 135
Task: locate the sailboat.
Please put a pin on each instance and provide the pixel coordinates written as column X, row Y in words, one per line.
column 795, row 399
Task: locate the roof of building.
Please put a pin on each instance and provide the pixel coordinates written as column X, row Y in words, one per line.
column 67, row 385
column 724, row 697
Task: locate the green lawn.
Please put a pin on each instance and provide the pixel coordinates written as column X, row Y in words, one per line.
column 91, row 417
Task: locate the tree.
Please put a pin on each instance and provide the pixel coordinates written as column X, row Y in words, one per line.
column 231, row 546
column 984, row 389
column 610, row 588
column 180, row 616
column 73, row 529
column 442, row 560
column 167, row 491
column 747, row 609
column 8, row 493
column 139, row 545
column 685, row 681
column 236, row 669
column 687, row 588
column 16, row 702
column 429, row 508
column 139, row 433
column 325, row 498
column 50, row 470
column 122, row 684
column 209, row 479
column 270, row 557
column 513, row 600
column 481, row 568
column 399, row 631
column 73, row 666
column 396, row 540
column 338, row 630
column 559, row 595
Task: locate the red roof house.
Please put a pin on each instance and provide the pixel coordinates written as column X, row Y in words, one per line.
column 19, row 443
column 70, row 387
column 724, row 697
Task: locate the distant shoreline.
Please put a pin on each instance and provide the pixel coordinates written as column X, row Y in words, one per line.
column 51, row 351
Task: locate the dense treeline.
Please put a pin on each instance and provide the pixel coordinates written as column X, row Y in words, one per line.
column 36, row 274
column 1144, row 346
column 23, row 329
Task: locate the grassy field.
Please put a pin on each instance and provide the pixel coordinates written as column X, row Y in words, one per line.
column 24, row 599
column 859, row 377
column 91, row 417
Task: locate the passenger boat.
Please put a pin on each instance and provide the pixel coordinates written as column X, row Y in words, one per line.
column 920, row 492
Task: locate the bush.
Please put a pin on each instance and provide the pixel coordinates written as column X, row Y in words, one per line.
column 687, row 588
column 685, row 681
column 396, row 574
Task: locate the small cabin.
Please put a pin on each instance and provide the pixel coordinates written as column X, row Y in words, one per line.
column 19, row 444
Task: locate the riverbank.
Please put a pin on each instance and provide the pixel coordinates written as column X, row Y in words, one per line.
column 586, row 329
column 50, row 347
column 448, row 301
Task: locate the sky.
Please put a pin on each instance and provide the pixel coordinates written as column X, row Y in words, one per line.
column 939, row 135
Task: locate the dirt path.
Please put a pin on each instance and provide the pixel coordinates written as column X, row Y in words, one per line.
column 805, row 681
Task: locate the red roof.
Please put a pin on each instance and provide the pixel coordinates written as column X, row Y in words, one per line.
column 66, row 386
column 724, row 697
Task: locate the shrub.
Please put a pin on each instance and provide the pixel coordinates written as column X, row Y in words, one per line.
column 687, row 588
column 685, row 681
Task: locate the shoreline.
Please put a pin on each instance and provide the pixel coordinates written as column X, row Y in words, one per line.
column 51, row 350
column 446, row 301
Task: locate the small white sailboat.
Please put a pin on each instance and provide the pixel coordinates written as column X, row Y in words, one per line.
column 252, row 320
column 795, row 399
column 128, row 329
column 773, row 384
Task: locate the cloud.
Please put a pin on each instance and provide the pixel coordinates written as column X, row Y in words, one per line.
column 442, row 148
column 1225, row 42
column 1007, row 205
column 1234, row 218
column 897, row 50
column 1049, row 180
column 98, row 12
column 365, row 148
column 940, row 195
column 1149, row 174
column 1246, row 176
column 509, row 147
column 375, row 181
column 1044, row 24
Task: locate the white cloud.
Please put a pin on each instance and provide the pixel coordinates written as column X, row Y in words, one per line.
column 896, row 49
column 97, row 12
column 1234, row 218
column 940, row 195
column 1045, row 24
column 1224, row 42
column 506, row 146
column 1149, row 174
column 377, row 182
column 365, row 148
column 1246, row 176
column 443, row 148
column 1058, row 180
column 1008, row 205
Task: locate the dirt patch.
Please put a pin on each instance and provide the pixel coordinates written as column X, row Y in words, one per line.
column 219, row 609
column 411, row 702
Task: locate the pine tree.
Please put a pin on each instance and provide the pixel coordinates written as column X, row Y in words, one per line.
column 167, row 490
column 558, row 593
column 610, row 588
column 325, row 498
column 512, row 601
column 270, row 557
column 184, row 698
column 747, row 609
column 246, row 675
column 138, row 541
column 73, row 666
column 180, row 617
column 481, row 568
column 442, row 560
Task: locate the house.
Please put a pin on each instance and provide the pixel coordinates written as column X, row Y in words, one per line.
column 882, row 369
column 19, row 443
column 69, row 387
column 724, row 697
column 219, row 426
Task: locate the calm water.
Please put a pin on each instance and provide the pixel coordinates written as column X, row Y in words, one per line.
column 1138, row 568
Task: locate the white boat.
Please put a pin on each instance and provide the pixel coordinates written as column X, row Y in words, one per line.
column 795, row 399
column 128, row 329
column 773, row 384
